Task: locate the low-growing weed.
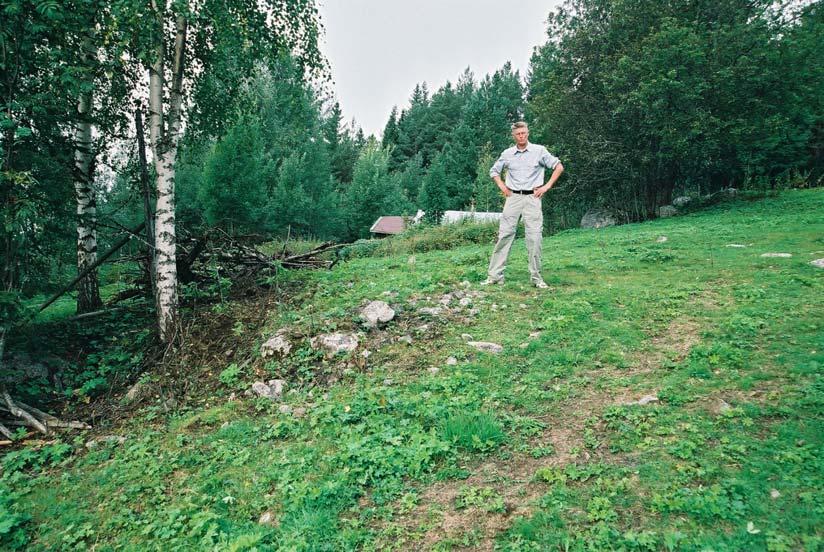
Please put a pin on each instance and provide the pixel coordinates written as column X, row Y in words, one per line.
column 485, row 498
column 230, row 376
column 542, row 451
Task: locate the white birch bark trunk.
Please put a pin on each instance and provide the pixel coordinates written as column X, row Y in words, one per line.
column 164, row 139
column 88, row 298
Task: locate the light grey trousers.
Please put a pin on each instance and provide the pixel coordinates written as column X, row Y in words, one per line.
column 529, row 207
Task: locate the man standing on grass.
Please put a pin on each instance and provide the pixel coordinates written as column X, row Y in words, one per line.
column 524, row 187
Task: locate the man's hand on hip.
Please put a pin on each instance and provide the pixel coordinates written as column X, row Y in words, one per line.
column 539, row 191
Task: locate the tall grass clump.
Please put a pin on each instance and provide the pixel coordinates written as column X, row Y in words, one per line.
column 474, row 431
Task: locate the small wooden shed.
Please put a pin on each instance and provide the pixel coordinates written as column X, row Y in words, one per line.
column 388, row 226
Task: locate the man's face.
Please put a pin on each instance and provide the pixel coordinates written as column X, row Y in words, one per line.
column 521, row 136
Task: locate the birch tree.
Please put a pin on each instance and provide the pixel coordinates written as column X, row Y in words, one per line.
column 181, row 46
column 164, row 133
column 88, row 292
column 99, row 79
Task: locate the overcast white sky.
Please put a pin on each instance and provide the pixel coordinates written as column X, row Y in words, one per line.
column 379, row 49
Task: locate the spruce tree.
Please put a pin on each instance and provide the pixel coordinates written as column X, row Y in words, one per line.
column 390, row 131
column 485, row 194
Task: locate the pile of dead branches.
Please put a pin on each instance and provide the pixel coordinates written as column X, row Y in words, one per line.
column 237, row 258
column 18, row 413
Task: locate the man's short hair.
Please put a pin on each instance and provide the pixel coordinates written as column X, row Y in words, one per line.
column 519, row 124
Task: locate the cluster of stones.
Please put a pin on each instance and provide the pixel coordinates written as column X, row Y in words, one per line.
column 335, row 343
column 375, row 314
column 459, row 301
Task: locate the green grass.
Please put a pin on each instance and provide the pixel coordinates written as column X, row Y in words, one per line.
column 476, row 431
column 536, row 448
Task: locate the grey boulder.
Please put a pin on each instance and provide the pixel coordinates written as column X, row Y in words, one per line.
column 598, row 218
column 486, row 346
column 377, row 312
column 335, row 343
column 666, row 211
column 277, row 346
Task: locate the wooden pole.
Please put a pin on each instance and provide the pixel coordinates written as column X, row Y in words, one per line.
column 144, row 184
column 100, row 260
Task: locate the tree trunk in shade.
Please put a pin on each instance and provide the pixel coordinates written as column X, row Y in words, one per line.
column 88, row 292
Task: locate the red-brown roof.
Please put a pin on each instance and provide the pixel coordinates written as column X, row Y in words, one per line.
column 388, row 225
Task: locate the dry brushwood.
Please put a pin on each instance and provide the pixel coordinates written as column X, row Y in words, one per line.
column 236, row 257
column 30, row 416
column 218, row 254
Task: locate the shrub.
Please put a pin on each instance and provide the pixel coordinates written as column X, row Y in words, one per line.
column 423, row 237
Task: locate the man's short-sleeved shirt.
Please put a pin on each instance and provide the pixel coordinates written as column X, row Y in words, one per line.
column 525, row 168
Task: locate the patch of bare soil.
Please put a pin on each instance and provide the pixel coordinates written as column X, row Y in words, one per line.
column 435, row 518
column 210, row 340
column 675, row 343
column 722, row 400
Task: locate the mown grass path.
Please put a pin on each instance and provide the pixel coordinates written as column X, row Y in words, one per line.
column 536, row 448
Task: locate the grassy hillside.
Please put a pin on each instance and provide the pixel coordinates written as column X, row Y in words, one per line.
column 536, row 448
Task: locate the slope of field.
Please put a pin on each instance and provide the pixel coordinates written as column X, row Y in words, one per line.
column 665, row 394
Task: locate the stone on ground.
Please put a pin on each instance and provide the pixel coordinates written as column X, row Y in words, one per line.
column 268, row 518
column 666, row 211
column 377, row 312
column 335, row 343
column 272, row 390
column 277, row 346
column 133, row 393
column 486, row 346
column 598, row 218
column 646, row 399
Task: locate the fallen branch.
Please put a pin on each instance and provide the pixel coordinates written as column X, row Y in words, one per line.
column 206, row 257
column 15, row 410
column 184, row 266
column 57, row 424
column 123, row 295
column 91, row 314
column 100, row 260
column 328, row 246
column 30, row 416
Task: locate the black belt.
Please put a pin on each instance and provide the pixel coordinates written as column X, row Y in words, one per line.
column 522, row 192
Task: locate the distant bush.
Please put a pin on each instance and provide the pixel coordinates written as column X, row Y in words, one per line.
column 424, row 237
